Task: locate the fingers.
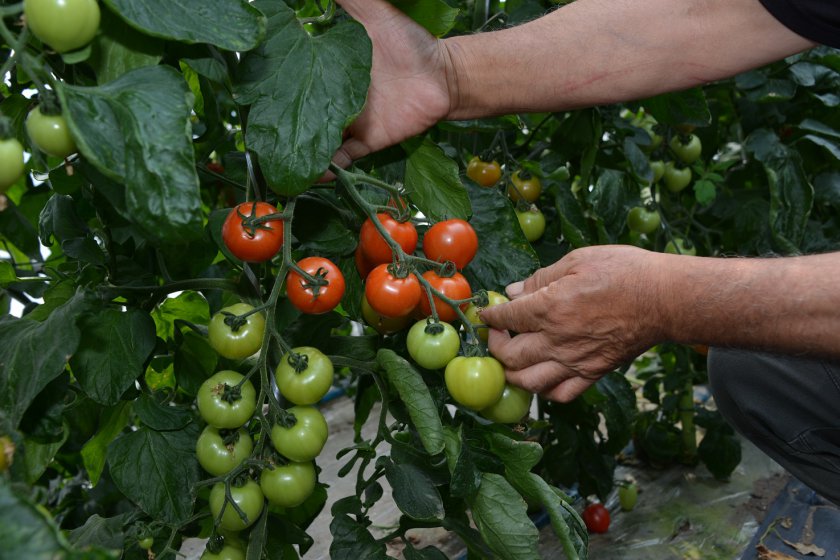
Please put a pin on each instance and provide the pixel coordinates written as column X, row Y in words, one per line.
column 544, row 276
column 568, row 390
column 551, row 380
column 525, row 314
column 520, row 351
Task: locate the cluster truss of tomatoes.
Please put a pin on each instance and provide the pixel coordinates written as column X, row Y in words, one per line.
column 64, row 26
column 683, row 149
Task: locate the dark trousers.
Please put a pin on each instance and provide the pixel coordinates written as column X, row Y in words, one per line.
column 789, row 407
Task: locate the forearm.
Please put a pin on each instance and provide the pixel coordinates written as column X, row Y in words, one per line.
column 787, row 305
column 595, row 52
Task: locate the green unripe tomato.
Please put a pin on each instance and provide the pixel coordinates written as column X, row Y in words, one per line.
column 682, row 247
column 248, row 497
column 305, row 439
column 628, row 495
column 532, row 222
column 288, row 485
column 433, row 345
column 687, row 148
column 475, row 382
column 514, row 403
column 676, row 179
column 642, row 220
column 242, row 342
column 50, row 133
column 217, row 402
column 65, row 25
column 219, row 455
column 473, row 312
column 658, row 168
column 304, row 375
column 146, row 543
column 11, row 163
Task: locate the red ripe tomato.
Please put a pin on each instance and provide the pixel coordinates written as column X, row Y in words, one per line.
column 451, row 240
column 597, row 518
column 453, row 287
column 315, row 299
column 362, row 264
column 252, row 243
column 374, row 247
column 391, row 296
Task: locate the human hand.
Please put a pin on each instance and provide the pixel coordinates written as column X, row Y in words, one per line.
column 592, row 311
column 411, row 81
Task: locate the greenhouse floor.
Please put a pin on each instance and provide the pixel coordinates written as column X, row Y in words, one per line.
column 682, row 514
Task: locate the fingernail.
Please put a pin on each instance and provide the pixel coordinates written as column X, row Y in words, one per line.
column 515, row 289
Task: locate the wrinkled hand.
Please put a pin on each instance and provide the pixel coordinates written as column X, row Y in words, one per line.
column 409, row 89
column 592, row 311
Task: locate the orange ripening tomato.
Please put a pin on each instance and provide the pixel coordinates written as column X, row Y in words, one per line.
column 453, row 287
column 315, row 300
column 374, row 247
column 451, row 240
column 391, row 296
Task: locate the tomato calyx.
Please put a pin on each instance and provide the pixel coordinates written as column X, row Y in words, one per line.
column 48, row 103
column 400, row 270
column 473, row 350
column 287, row 419
column 314, row 281
column 251, row 223
column 299, row 363
column 229, row 393
column 447, row 270
column 235, row 322
column 229, row 437
column 434, row 328
column 6, row 130
column 215, row 543
column 481, row 299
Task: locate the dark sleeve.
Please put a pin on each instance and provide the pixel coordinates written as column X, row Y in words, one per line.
column 818, row 20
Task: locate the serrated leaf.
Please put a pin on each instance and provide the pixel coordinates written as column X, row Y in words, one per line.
column 352, row 541
column 518, row 456
column 705, row 191
column 414, row 492
column 26, row 531
column 105, row 532
column 119, row 48
column 188, row 306
column 158, row 471
column 465, row 477
column 504, row 255
column 161, row 417
column 233, row 25
column 112, row 353
column 111, row 424
column 501, row 516
column 573, row 222
column 303, row 91
column 418, row 401
column 433, row 184
column 34, row 353
column 152, row 157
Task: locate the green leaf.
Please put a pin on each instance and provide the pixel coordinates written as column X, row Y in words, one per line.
column 18, row 231
column 720, row 452
column 7, row 274
column 705, row 191
column 501, row 516
column 25, row 530
column 105, row 532
column 435, row 15
column 822, row 129
column 504, row 255
column 639, row 163
column 433, row 184
column 428, row 553
column 232, row 25
column 118, row 49
column 418, row 401
column 111, row 424
column 609, row 203
column 195, row 361
column 573, row 221
column 113, row 352
column 33, row 354
column 303, row 91
column 161, row 417
column 152, row 157
column 188, row 306
column 831, row 147
column 465, row 476
column 38, row 455
column 158, row 471
column 414, row 492
column 684, row 107
column 352, row 541
column 320, row 229
column 773, row 91
column 618, row 409
column 518, row 456
column 59, row 219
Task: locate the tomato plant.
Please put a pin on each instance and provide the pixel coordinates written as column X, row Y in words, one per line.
column 248, row 496
column 524, row 186
column 374, row 247
column 50, row 133
column 226, row 400
column 249, row 241
column 233, row 337
column 433, row 345
column 320, row 296
column 485, row 173
column 288, row 485
column 11, row 163
column 475, row 382
column 65, row 25
column 389, row 295
column 532, row 223
column 511, row 407
column 454, row 287
column 303, row 440
column 304, row 375
column 680, row 246
column 451, row 240
column 596, row 517
column 642, row 220
column 219, row 453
